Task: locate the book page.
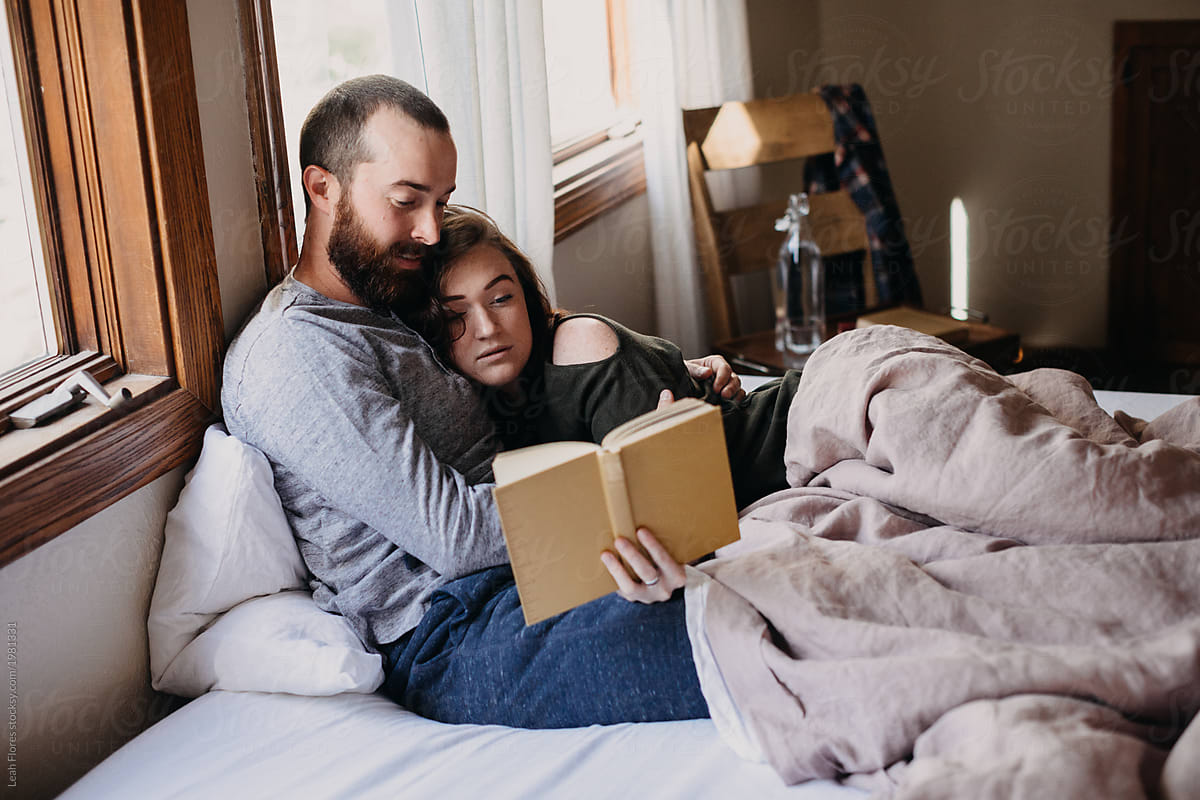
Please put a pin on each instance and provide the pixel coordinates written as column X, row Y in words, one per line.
column 512, row 465
column 556, row 525
column 680, row 487
column 661, row 417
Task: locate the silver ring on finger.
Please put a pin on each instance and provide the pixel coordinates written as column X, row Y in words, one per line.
column 651, row 583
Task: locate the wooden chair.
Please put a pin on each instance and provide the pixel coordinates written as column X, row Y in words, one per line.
column 743, row 240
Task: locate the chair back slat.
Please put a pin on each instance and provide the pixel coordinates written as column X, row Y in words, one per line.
column 760, row 131
column 748, row 239
column 750, row 243
column 838, row 225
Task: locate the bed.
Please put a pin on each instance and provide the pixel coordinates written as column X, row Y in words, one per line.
column 285, row 702
column 229, row 744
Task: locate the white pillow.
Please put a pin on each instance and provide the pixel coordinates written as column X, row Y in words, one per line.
column 278, row 643
column 227, row 540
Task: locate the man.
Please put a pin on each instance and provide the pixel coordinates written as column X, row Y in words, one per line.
column 382, row 456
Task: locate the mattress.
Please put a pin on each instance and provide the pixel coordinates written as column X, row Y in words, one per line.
column 247, row 744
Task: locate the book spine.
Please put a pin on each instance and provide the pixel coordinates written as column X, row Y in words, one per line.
column 616, row 495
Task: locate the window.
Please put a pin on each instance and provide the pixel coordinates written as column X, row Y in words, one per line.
column 320, row 44
column 105, row 101
column 579, row 74
column 297, row 50
column 597, row 148
column 26, row 325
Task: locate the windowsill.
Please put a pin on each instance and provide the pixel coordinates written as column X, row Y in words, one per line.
column 35, row 379
column 65, row 471
column 595, row 181
column 20, row 447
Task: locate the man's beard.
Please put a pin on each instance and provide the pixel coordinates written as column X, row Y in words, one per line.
column 368, row 268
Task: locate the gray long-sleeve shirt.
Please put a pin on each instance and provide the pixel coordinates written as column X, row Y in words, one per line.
column 382, row 456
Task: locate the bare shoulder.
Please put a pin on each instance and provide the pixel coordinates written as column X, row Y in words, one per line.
column 583, row 340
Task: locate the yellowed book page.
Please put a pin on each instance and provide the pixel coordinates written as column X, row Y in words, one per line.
column 680, row 487
column 513, row 465
column 556, row 525
column 652, row 420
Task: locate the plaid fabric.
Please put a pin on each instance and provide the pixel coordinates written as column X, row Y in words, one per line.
column 857, row 164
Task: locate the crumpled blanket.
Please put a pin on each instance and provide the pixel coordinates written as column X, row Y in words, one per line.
column 979, row 587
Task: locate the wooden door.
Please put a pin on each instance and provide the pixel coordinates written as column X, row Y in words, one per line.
column 1154, row 264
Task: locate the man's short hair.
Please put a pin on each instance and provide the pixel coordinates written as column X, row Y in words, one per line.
column 332, row 134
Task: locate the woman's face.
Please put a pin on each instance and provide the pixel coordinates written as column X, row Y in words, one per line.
column 488, row 316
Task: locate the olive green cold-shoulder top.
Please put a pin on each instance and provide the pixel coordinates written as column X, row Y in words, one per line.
column 583, row 402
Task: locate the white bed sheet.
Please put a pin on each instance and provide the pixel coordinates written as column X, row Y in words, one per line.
column 246, row 744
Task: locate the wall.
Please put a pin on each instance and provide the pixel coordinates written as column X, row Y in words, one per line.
column 221, row 93
column 785, row 35
column 1006, row 105
column 80, row 602
column 607, row 268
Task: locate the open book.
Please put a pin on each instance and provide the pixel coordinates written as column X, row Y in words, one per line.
column 562, row 503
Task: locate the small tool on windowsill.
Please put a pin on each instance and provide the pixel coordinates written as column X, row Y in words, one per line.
column 69, row 394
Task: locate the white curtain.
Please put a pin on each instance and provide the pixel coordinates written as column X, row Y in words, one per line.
column 484, row 63
column 686, row 54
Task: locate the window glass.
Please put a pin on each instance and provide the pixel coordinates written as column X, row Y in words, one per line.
column 26, row 325
column 578, row 71
column 318, row 45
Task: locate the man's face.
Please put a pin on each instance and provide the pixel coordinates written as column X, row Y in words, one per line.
column 391, row 211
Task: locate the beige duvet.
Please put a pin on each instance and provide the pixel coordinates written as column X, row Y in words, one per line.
column 980, row 586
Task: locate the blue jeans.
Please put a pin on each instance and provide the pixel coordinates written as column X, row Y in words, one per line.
column 472, row 659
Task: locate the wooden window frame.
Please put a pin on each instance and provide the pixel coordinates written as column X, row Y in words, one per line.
column 268, row 140
column 597, row 179
column 112, row 125
column 597, row 172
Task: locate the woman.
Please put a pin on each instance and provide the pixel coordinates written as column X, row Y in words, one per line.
column 551, row 376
